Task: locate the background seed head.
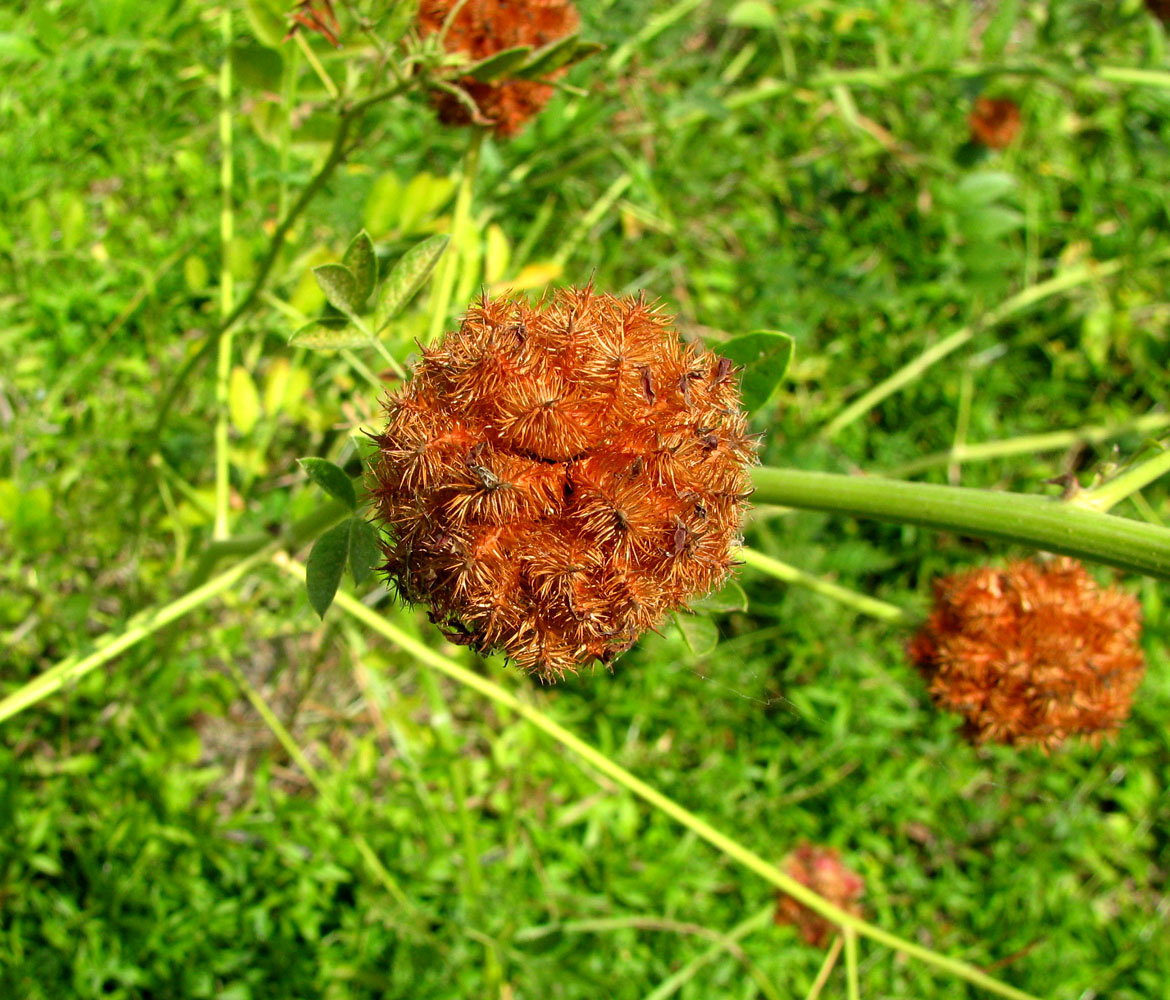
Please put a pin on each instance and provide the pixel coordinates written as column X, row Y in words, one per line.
column 820, row 869
column 484, row 27
column 1033, row 653
column 555, row 478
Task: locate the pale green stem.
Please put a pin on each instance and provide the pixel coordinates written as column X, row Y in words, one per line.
column 1071, row 278
column 394, row 364
column 596, row 760
column 223, row 369
column 294, row 751
column 449, row 265
column 1033, row 444
column 850, row 598
column 359, row 366
column 1109, row 494
column 723, row 944
column 141, row 626
column 1039, row 522
column 826, row 969
column 852, row 977
column 311, row 56
column 595, row 214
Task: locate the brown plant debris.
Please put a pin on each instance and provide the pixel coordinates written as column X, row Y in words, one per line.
column 820, row 869
column 1032, row 654
column 994, row 121
column 556, row 478
column 482, row 28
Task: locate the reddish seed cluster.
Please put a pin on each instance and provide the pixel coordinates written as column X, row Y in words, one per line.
column 484, row 27
column 994, row 121
column 1033, row 653
column 820, row 869
column 556, row 478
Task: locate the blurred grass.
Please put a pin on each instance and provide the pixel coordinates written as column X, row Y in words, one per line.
column 160, row 843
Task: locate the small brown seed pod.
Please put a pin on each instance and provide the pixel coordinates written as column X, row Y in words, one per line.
column 1033, row 653
column 482, row 28
column 555, row 478
column 820, row 869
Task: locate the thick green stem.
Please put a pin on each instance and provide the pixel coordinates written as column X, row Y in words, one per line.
column 615, row 772
column 1039, row 522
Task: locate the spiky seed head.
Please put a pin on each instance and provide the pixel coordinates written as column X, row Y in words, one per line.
column 482, row 28
column 555, row 478
column 820, row 869
column 1033, row 653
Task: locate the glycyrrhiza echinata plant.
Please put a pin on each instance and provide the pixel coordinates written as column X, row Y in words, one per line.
column 555, row 478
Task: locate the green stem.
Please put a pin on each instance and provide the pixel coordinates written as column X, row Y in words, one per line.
column 826, row 969
column 1032, row 444
column 73, row 668
column 948, row 345
column 226, row 291
column 1109, row 494
column 1040, row 522
column 852, row 979
column 618, row 774
column 449, row 265
column 850, row 598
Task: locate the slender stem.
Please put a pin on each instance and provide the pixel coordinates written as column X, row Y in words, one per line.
column 449, row 265
column 285, row 738
column 826, row 968
column 850, row 598
column 1040, row 522
column 1111, row 493
column 723, row 943
column 599, row 762
column 311, row 56
column 145, row 624
column 852, row 979
column 1032, row 444
column 948, row 345
column 223, row 369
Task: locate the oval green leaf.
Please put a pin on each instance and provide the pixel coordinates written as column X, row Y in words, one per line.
column 729, row 597
column 550, row 57
column 326, row 335
column 407, row 277
column 362, row 263
column 499, row 64
column 699, row 632
column 339, row 285
column 363, row 549
column 331, row 479
column 765, row 356
column 324, row 568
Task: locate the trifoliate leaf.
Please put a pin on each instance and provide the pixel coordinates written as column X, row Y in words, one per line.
column 324, row 568
column 407, row 277
column 363, row 548
column 331, row 479
column 363, row 265
column 328, row 335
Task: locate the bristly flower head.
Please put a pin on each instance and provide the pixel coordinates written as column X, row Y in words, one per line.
column 820, row 869
column 556, row 477
column 1033, row 653
column 482, row 28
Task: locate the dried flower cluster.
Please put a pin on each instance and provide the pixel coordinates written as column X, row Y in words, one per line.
column 482, row 28
column 820, row 869
column 556, row 478
column 1032, row 653
column 994, row 121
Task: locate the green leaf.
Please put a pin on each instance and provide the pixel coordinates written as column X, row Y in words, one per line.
column 326, row 563
column 984, row 187
column 266, row 20
column 729, row 597
column 549, row 58
column 699, row 632
column 499, row 64
column 257, row 67
column 407, row 277
column 363, row 265
column 363, row 548
column 243, row 400
column 331, row 479
column 340, row 287
column 989, row 222
column 752, row 14
column 15, row 47
column 765, row 356
column 328, row 335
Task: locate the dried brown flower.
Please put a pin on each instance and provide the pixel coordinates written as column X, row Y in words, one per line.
column 1033, row 653
column 994, row 121
column 318, row 16
column 557, row 477
column 484, row 27
column 820, row 869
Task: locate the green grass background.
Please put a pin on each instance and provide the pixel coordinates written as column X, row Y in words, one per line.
column 157, row 842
